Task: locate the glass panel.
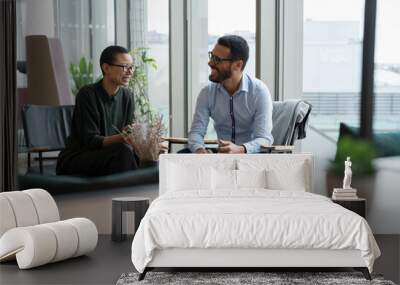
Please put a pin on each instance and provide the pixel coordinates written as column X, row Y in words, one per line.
column 387, row 67
column 210, row 20
column 158, row 42
column 332, row 62
column 149, row 29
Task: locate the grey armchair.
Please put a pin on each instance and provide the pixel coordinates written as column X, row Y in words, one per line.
column 46, row 129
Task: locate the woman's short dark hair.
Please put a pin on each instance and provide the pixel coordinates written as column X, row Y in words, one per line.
column 238, row 47
column 109, row 53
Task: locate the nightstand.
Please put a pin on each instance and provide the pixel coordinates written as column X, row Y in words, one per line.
column 139, row 205
column 358, row 205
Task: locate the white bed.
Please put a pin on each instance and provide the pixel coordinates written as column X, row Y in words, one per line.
column 247, row 211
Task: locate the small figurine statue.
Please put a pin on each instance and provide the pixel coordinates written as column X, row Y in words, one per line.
column 347, row 174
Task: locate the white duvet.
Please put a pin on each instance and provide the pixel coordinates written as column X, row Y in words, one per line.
column 252, row 218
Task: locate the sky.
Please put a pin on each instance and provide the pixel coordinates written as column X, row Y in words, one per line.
column 231, row 15
column 387, row 49
column 158, row 13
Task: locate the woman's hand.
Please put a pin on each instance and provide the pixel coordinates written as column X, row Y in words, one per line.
column 126, row 134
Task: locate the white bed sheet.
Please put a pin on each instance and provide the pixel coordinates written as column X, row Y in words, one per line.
column 251, row 218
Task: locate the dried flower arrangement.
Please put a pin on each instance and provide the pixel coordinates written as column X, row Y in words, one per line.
column 145, row 133
column 145, row 136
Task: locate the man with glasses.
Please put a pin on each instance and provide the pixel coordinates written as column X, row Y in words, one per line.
column 95, row 146
column 240, row 105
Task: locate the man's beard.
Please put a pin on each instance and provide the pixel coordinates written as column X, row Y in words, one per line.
column 221, row 76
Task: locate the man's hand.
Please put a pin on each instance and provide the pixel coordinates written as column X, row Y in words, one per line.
column 230, row 147
column 203, row 150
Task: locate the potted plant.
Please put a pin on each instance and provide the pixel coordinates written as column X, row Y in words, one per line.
column 82, row 74
column 139, row 83
column 362, row 153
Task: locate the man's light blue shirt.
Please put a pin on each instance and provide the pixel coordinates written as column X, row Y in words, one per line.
column 245, row 118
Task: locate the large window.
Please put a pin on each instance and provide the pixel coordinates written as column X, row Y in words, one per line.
column 210, row 19
column 149, row 28
column 332, row 61
column 387, row 67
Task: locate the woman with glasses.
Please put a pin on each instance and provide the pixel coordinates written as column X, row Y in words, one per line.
column 95, row 147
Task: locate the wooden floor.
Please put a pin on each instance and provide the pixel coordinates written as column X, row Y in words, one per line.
column 111, row 259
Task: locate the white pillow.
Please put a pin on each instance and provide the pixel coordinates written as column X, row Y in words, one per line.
column 291, row 178
column 223, row 179
column 283, row 173
column 187, row 177
column 251, row 178
column 226, row 179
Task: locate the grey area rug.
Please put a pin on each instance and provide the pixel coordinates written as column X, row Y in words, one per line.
column 225, row 278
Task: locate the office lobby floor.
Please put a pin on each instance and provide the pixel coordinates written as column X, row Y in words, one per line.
column 111, row 259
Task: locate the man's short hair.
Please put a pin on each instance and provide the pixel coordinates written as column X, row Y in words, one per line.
column 109, row 53
column 238, row 47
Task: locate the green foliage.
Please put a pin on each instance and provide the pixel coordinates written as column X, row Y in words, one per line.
column 361, row 153
column 139, row 83
column 82, row 74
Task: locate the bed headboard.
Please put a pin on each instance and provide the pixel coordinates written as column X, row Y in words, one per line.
column 286, row 166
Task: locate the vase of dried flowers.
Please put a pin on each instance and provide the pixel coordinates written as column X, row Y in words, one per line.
column 145, row 136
